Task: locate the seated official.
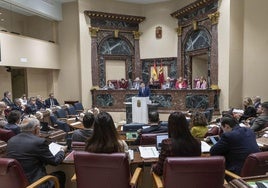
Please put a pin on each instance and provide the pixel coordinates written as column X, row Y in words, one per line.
column 154, row 127
column 18, row 105
column 180, row 142
column 13, row 120
column 143, row 90
column 81, row 135
column 33, row 153
column 40, row 103
column 51, row 101
column 109, row 85
column 235, row 144
column 123, row 84
column 168, row 84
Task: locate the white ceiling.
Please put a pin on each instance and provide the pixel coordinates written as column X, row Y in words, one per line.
column 143, row 1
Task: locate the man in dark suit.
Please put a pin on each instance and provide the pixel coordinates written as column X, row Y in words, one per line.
column 33, row 153
column 235, row 145
column 143, row 90
column 8, row 101
column 51, row 101
column 154, row 126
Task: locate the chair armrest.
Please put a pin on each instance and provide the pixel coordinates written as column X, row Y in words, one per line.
column 73, row 179
column 135, row 176
column 157, row 180
column 44, row 179
column 231, row 174
column 63, row 119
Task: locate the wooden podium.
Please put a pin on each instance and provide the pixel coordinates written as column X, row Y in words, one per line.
column 140, row 109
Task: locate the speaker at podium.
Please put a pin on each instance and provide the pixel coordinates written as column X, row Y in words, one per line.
column 140, row 109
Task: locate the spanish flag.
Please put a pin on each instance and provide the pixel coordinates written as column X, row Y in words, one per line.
column 154, row 72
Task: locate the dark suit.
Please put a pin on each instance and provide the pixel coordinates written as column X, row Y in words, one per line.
column 8, row 102
column 144, row 92
column 33, row 154
column 40, row 105
column 235, row 146
column 54, row 102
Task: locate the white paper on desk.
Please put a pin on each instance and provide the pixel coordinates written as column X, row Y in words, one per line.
column 205, row 147
column 148, row 152
column 131, row 154
column 54, row 148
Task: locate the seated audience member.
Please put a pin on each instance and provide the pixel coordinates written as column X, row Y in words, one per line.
column 33, row 153
column 24, row 100
column 51, row 101
column 40, row 103
column 136, row 83
column 154, row 127
column 257, row 101
column 262, row 119
column 235, row 144
column 144, row 91
column 123, row 84
column 180, row 84
column 168, row 84
column 18, row 106
column 81, row 135
column 237, row 114
column 3, row 120
column 105, row 138
column 61, row 124
column 199, row 125
column 154, row 123
column 7, row 99
column 31, row 106
column 109, row 85
column 180, row 143
column 13, row 120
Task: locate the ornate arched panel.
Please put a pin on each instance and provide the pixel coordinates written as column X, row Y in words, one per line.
column 114, row 37
column 197, row 35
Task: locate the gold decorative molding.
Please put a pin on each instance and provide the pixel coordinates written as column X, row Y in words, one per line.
column 116, row 33
column 214, row 17
column 137, row 34
column 195, row 25
column 93, row 31
column 111, row 16
column 179, row 30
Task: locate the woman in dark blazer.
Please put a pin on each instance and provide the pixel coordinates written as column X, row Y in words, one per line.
column 180, row 142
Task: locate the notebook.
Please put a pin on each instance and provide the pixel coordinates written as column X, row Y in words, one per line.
column 159, row 139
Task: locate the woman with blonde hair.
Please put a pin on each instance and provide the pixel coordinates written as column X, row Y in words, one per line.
column 199, row 125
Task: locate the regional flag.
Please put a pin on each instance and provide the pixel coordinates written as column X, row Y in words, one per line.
column 161, row 75
column 154, row 72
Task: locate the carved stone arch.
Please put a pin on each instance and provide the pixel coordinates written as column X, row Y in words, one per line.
column 125, row 45
column 205, row 33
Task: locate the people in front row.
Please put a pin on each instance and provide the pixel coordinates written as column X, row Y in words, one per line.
column 180, row 142
column 180, row 83
column 33, row 153
column 81, row 135
column 105, row 138
column 235, row 144
column 109, row 85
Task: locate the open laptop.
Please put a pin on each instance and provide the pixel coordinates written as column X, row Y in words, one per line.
column 159, row 139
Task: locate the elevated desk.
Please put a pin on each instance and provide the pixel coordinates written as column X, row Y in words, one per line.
column 168, row 100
